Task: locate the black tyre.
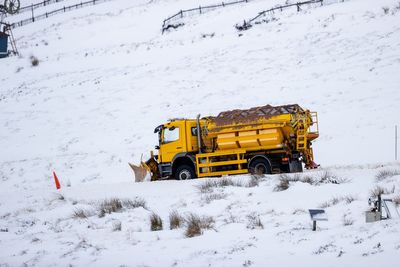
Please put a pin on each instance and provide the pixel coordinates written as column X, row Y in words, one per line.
column 185, row 172
column 295, row 166
column 260, row 166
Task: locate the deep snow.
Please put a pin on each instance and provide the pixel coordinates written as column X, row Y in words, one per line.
column 107, row 77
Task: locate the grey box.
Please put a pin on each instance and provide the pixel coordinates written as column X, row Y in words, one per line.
column 372, row 216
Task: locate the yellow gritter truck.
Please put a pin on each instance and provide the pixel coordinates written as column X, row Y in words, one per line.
column 260, row 140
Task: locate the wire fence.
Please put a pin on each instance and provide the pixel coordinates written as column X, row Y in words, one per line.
column 167, row 23
column 37, row 5
column 45, row 15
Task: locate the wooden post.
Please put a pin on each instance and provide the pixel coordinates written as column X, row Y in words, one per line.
column 181, row 14
column 314, row 225
column 200, row 9
column 33, row 16
column 298, row 7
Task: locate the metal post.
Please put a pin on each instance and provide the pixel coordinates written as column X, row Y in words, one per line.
column 314, row 225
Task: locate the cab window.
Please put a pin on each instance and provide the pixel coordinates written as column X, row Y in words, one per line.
column 171, row 134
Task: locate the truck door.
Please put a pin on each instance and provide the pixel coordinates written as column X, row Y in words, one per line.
column 173, row 138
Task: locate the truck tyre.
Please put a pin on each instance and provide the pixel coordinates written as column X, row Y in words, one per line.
column 260, row 166
column 295, row 166
column 184, row 172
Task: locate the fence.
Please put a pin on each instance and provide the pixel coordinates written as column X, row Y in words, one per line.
column 166, row 23
column 37, row 5
column 200, row 10
column 54, row 12
column 280, row 8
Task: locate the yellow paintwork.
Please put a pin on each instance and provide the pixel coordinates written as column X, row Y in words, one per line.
column 274, row 133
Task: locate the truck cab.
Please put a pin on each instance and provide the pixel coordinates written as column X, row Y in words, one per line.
column 177, row 146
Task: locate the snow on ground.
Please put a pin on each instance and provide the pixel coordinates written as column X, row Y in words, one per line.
column 107, row 77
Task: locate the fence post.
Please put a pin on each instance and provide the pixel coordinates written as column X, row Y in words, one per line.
column 223, row 4
column 46, row 14
column 298, row 7
column 64, row 9
column 200, row 9
column 33, row 16
column 322, row 2
column 181, row 14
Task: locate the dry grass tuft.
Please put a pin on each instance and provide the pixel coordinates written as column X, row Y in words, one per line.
column 135, row 203
column 155, row 222
column 335, row 200
column 109, row 206
column 347, row 221
column 208, row 185
column 34, row 61
column 396, row 200
column 208, row 198
column 117, row 226
column 254, row 221
column 254, row 180
column 195, row 224
column 387, row 173
column 282, row 185
column 175, row 220
column 378, row 190
column 80, row 213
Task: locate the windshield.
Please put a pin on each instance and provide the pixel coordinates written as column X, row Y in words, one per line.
column 171, row 134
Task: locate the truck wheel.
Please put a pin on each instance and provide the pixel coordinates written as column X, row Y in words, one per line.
column 184, row 172
column 260, row 166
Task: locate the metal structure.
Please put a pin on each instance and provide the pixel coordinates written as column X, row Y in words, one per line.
column 7, row 36
column 10, row 7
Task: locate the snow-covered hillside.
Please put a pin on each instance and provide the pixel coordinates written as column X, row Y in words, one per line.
column 107, row 76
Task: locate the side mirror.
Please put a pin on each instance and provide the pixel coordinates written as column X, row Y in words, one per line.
column 157, row 147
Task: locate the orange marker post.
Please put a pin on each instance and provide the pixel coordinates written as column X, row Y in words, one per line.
column 58, row 186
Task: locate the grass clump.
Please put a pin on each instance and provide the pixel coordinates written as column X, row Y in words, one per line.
column 175, row 220
column 135, row 203
column 254, row 221
column 209, row 185
column 386, row 173
column 347, row 221
column 378, row 190
column 156, row 223
column 109, row 205
column 195, row 224
column 80, row 213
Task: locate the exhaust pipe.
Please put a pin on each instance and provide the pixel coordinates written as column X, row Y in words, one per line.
column 198, row 133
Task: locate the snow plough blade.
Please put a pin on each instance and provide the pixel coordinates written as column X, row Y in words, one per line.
column 139, row 171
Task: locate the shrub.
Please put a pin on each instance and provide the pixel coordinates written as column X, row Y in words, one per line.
column 175, row 220
column 195, row 224
column 155, row 222
column 387, row 173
